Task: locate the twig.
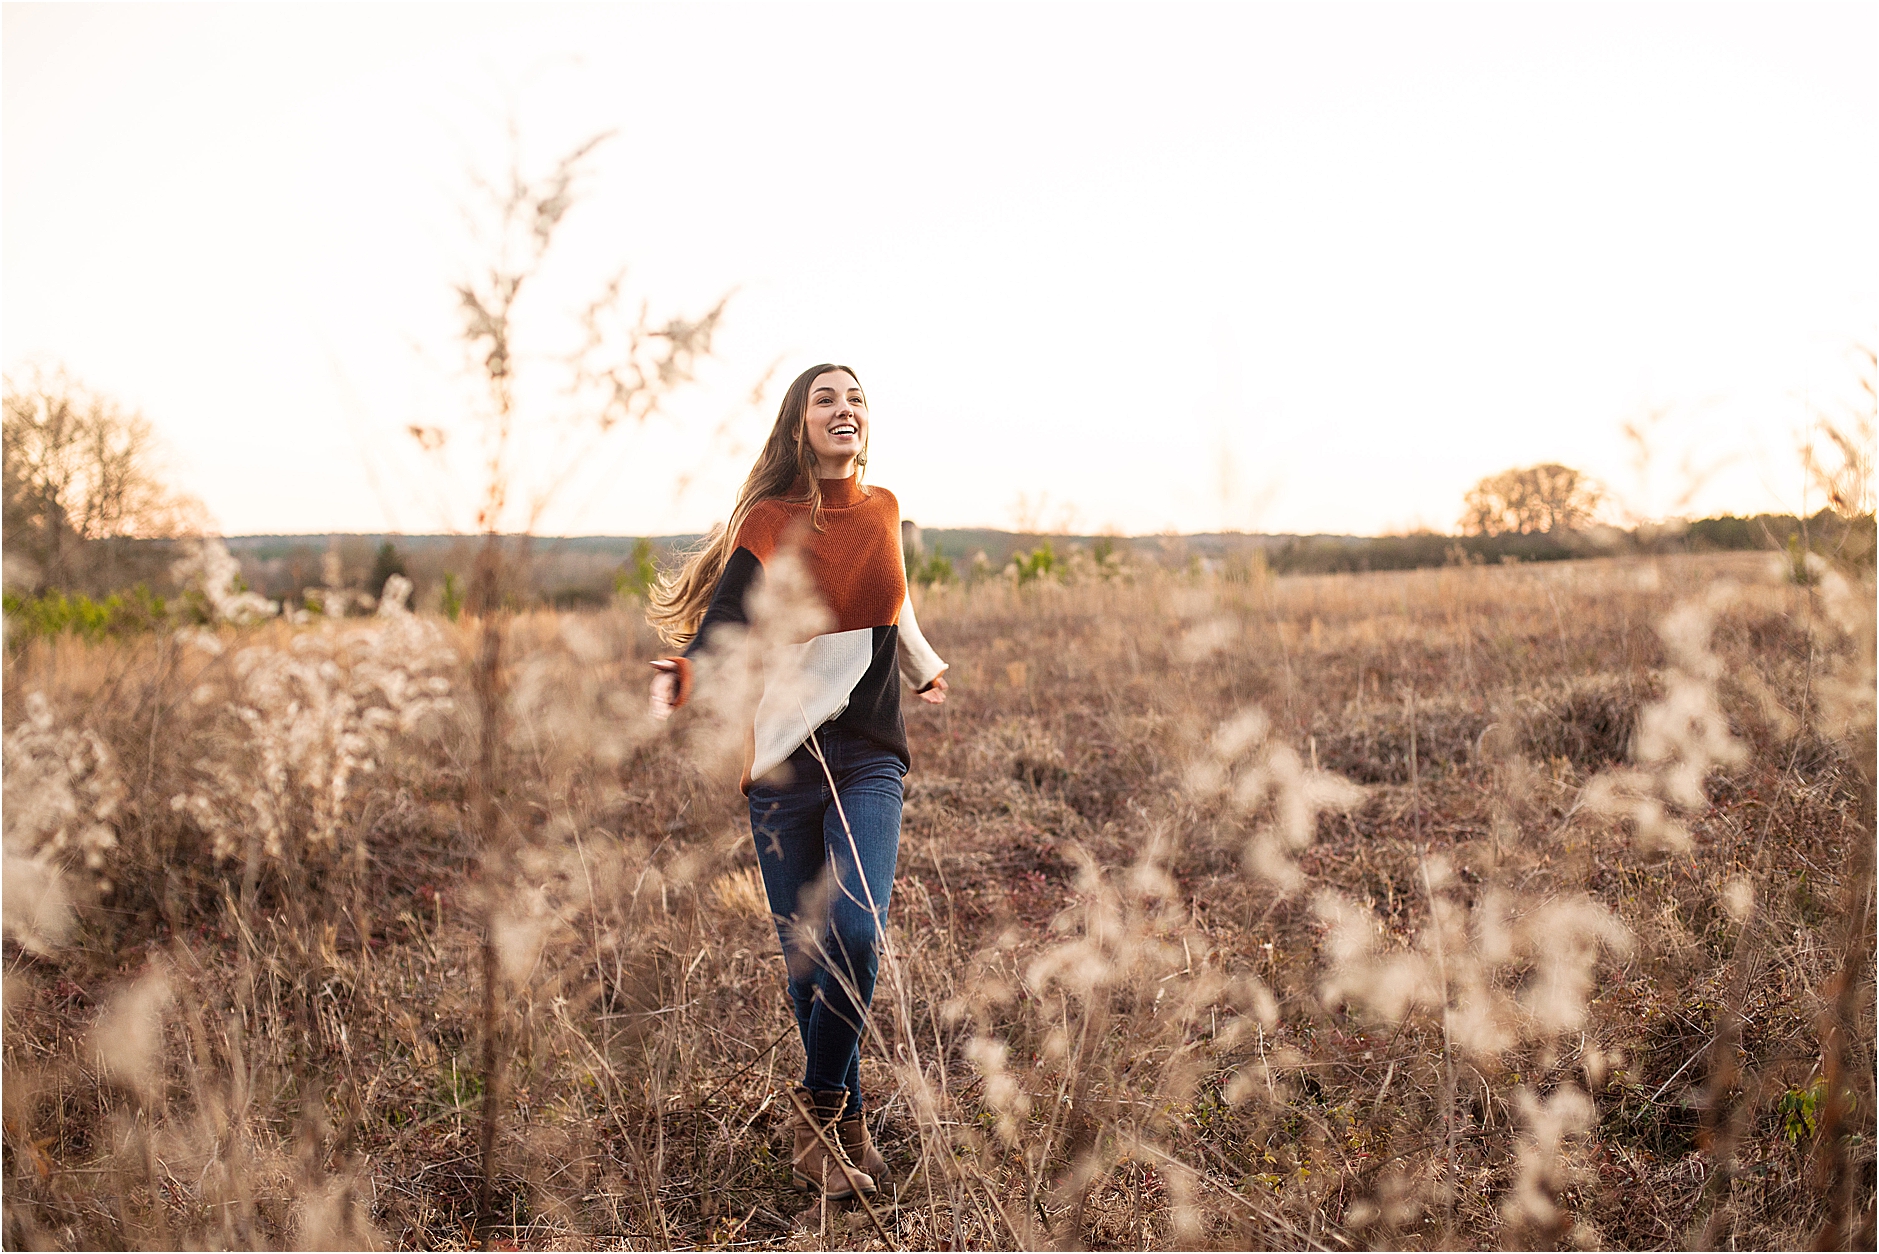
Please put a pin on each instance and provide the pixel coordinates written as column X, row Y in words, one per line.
column 1701, row 1050
column 706, row 1099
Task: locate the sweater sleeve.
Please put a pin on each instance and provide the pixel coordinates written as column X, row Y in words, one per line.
column 727, row 606
column 919, row 665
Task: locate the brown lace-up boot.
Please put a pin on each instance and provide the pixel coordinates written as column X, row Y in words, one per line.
column 817, row 1161
column 853, row 1133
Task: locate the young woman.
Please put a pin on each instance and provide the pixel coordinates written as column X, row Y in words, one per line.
column 823, row 851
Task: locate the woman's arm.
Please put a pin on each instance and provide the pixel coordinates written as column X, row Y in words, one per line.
column 920, row 666
column 672, row 678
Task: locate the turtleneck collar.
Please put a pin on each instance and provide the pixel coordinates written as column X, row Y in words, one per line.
column 837, row 493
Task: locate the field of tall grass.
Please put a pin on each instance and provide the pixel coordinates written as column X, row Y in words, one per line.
column 1510, row 906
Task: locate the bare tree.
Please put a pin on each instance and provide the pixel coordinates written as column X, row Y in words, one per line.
column 1543, row 498
column 618, row 373
column 80, row 468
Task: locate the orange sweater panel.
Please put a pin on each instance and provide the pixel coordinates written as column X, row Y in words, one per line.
column 855, row 559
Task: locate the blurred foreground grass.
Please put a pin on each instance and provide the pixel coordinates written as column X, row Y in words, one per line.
column 1309, row 911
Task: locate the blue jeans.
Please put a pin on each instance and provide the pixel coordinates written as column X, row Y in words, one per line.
column 828, row 888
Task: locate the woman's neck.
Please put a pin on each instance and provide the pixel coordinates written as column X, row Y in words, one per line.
column 842, row 468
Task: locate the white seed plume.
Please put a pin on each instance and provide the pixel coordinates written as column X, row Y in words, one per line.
column 309, row 717
column 1010, row 1105
column 1255, row 775
column 128, row 1038
column 1550, row 1122
column 519, row 932
column 36, row 908
column 1471, row 980
column 1738, row 899
column 208, row 567
column 1680, row 738
column 336, row 1214
column 62, row 792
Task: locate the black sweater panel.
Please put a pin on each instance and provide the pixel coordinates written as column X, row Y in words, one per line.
column 727, row 599
column 874, row 702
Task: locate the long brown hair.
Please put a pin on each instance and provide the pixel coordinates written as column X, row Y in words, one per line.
column 678, row 601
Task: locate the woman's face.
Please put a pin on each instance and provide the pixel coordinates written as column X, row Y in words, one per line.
column 836, row 422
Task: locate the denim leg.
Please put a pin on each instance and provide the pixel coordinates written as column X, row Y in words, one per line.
column 861, row 857
column 787, row 825
column 830, row 907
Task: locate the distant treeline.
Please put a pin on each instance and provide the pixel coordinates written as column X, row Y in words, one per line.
column 573, row 571
column 1825, row 532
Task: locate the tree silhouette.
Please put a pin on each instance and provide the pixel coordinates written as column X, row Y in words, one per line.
column 1543, row 498
column 386, row 563
column 79, row 468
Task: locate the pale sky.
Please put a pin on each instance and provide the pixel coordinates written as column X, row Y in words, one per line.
column 1260, row 267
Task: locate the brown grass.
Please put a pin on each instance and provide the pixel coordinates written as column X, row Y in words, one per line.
column 1156, row 979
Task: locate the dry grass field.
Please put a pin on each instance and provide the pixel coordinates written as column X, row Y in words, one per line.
column 1513, row 906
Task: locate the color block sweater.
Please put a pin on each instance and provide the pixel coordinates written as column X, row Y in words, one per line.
column 844, row 677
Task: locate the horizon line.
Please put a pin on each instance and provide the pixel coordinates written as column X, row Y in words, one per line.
column 1672, row 520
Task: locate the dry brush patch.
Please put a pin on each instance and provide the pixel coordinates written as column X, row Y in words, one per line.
column 1472, row 907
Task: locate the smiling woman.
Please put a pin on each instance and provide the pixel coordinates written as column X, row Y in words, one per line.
column 825, row 760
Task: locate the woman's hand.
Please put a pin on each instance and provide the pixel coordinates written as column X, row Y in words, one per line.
column 935, row 692
column 665, row 690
